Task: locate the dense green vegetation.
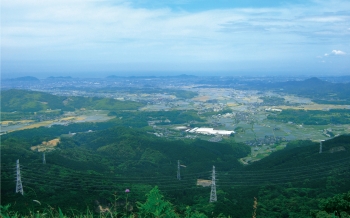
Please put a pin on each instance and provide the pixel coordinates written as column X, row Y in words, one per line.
column 273, row 100
column 224, row 111
column 94, row 167
column 29, row 101
column 141, row 118
column 98, row 163
column 313, row 117
column 317, row 89
column 36, row 116
column 32, row 101
column 134, row 119
column 335, row 102
column 154, row 206
column 37, row 135
column 338, row 205
column 91, row 167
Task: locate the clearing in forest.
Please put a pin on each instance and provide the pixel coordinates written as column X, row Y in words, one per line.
column 46, row 146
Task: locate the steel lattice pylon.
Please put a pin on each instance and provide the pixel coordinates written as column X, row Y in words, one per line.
column 213, row 196
column 19, row 187
column 178, row 170
column 44, row 159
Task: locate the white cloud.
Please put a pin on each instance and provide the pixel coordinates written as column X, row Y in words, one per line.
column 327, row 19
column 334, row 52
column 121, row 32
column 338, row 52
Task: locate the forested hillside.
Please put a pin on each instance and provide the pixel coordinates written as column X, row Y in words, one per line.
column 320, row 91
column 98, row 163
column 90, row 167
column 313, row 117
column 32, row 101
column 92, row 164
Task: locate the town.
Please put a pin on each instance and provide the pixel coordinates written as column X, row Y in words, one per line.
column 228, row 108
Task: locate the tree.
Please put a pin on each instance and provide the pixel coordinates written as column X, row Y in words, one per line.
column 155, row 206
column 339, row 203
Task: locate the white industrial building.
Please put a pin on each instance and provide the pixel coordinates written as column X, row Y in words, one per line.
column 273, row 109
column 210, row 131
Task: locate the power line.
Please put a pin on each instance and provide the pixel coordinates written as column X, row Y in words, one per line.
column 224, row 177
column 289, row 172
column 197, row 175
column 169, row 187
column 327, row 163
column 72, row 175
column 75, row 181
column 255, row 175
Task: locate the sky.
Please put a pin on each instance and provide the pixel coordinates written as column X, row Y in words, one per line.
column 94, row 38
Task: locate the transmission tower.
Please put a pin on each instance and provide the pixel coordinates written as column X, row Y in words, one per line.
column 44, row 159
column 321, row 146
column 178, row 170
column 213, row 196
column 19, row 187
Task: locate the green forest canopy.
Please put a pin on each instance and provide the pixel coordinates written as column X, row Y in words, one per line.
column 92, row 166
column 32, row 101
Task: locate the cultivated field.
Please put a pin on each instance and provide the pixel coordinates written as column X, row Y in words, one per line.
column 46, row 146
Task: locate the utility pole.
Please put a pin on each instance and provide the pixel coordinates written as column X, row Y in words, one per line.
column 213, row 196
column 178, row 170
column 19, row 187
column 44, row 160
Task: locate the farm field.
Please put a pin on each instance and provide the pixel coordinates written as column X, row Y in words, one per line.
column 221, row 109
column 315, row 106
column 71, row 117
column 250, row 114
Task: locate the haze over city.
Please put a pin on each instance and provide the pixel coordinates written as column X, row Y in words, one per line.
column 100, row 38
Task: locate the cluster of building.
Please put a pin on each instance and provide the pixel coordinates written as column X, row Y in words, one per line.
column 267, row 140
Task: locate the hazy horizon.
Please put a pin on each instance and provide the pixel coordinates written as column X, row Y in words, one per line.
column 162, row 74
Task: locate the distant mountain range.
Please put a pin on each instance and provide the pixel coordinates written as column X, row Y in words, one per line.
column 22, row 79
column 316, row 89
column 150, row 77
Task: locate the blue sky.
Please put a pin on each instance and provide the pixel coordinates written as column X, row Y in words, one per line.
column 98, row 38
